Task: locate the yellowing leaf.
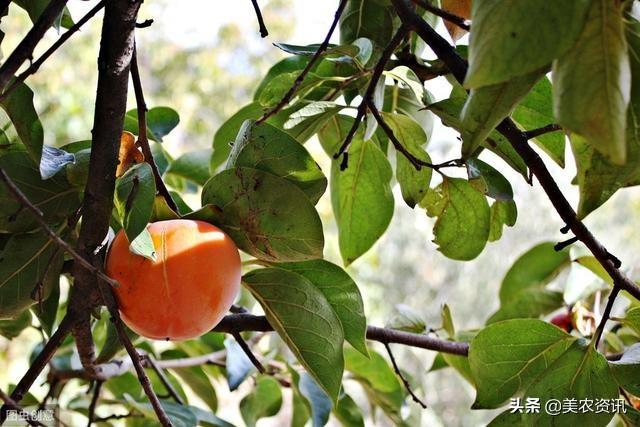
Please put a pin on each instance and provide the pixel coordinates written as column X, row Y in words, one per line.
column 128, row 154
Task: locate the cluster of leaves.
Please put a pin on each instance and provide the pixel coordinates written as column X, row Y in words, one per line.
column 261, row 186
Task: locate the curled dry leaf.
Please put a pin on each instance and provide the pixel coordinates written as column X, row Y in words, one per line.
column 462, row 8
column 129, row 154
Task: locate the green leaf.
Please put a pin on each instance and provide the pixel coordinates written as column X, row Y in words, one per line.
column 267, row 148
column 341, row 292
column 275, row 90
column 580, row 373
column 35, row 8
column 348, row 413
column 19, row 107
column 447, row 320
column 632, row 319
column 361, row 198
column 449, row 112
column 48, row 313
column 592, row 82
column 502, row 213
column 264, row 400
column 162, row 120
column 487, row 106
column 135, row 195
column 266, row 216
column 406, row 76
column 373, row 19
column 195, row 378
column 507, row 356
column 143, row 245
column 406, row 318
column 308, row 120
column 462, row 228
column 414, row 184
column 305, row 320
column 226, row 134
column 536, row 111
column 597, row 178
column 528, row 303
column 238, row 364
column 25, row 261
column 193, row 165
column 512, row 39
column 179, row 415
column 287, row 65
column 55, row 198
column 53, row 161
column 11, row 328
column 378, row 380
column 627, row 370
column 332, row 53
column 533, row 270
column 78, row 171
column 488, row 180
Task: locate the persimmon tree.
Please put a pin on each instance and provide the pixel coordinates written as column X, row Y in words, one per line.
column 534, row 77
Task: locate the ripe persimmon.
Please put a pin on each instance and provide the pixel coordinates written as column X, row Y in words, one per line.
column 187, row 289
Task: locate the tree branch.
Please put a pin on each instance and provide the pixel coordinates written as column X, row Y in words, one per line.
column 12, row 405
column 39, row 364
column 368, row 95
column 94, row 401
column 163, row 378
column 533, row 133
column 518, row 140
column 407, row 386
column 35, row 65
column 447, row 16
column 243, row 345
column 143, row 140
column 24, row 50
column 321, row 49
column 263, row 28
column 37, row 214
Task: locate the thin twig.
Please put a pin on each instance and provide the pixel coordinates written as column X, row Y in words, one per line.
column 407, row 386
column 605, row 315
column 416, row 162
column 163, row 378
column 142, row 376
column 507, row 128
column 130, row 414
column 368, row 95
column 39, row 363
column 561, row 245
column 35, row 65
column 321, row 49
column 25, row 48
column 26, row 203
column 446, row 15
column 143, row 140
column 533, row 133
column 263, row 28
column 12, row 405
column 94, row 401
column 243, row 345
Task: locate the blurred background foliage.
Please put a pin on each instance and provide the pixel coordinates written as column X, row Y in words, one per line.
column 205, row 59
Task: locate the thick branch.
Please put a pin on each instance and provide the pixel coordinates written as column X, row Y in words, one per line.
column 143, row 139
column 234, row 323
column 35, row 65
column 321, row 49
column 518, row 140
column 24, row 50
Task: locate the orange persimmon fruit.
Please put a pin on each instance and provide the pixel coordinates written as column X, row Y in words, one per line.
column 189, row 287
